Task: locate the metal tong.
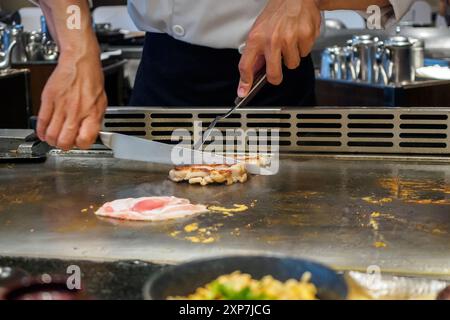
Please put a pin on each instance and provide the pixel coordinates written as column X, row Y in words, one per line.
column 261, row 80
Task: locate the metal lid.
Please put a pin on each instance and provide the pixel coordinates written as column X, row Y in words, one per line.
column 364, row 38
column 337, row 50
column 417, row 43
column 398, row 41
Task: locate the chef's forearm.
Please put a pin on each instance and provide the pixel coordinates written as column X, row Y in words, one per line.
column 351, row 4
column 71, row 40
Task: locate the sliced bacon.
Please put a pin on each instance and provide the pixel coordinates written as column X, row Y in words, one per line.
column 149, row 204
column 150, row 209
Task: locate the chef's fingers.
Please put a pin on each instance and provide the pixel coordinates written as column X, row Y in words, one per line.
column 259, row 64
column 88, row 132
column 308, row 35
column 45, row 115
column 69, row 132
column 246, row 70
column 291, row 56
column 55, row 126
column 274, row 65
column 305, row 49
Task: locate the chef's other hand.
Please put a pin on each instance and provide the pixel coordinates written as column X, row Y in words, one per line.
column 73, row 102
column 284, row 33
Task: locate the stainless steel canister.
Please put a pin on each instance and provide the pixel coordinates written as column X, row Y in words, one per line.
column 327, row 64
column 344, row 69
column 34, row 47
column 418, row 52
column 365, row 49
column 18, row 35
column 2, row 36
column 398, row 60
column 337, row 64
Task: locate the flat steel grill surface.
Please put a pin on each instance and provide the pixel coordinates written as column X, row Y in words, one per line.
column 333, row 130
column 346, row 213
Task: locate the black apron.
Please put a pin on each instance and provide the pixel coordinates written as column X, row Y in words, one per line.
column 447, row 13
column 174, row 73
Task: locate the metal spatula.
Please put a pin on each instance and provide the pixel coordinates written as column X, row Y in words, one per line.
column 137, row 149
column 259, row 83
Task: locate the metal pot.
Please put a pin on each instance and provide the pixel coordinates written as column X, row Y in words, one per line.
column 18, row 35
column 344, row 68
column 2, row 36
column 5, row 56
column 398, row 60
column 327, row 64
column 34, row 46
column 51, row 51
column 337, row 64
column 418, row 52
column 365, row 49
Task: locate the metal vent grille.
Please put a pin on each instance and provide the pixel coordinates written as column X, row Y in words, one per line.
column 334, row 130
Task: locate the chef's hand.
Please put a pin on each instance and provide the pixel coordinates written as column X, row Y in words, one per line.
column 73, row 102
column 284, row 33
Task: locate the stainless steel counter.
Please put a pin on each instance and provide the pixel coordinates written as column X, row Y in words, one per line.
column 350, row 214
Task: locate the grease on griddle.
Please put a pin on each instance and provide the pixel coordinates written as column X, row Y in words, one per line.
column 373, row 200
column 374, row 224
column 236, row 208
column 191, row 227
column 417, row 191
column 196, row 234
column 380, row 244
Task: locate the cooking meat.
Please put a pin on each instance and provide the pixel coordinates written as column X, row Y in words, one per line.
column 256, row 159
column 150, row 209
column 208, row 174
column 218, row 173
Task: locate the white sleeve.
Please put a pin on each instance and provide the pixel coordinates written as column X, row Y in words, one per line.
column 393, row 13
column 36, row 3
column 401, row 7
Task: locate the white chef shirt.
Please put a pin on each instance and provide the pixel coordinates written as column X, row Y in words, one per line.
column 216, row 23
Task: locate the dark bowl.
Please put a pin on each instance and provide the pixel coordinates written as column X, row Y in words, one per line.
column 35, row 288
column 184, row 279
